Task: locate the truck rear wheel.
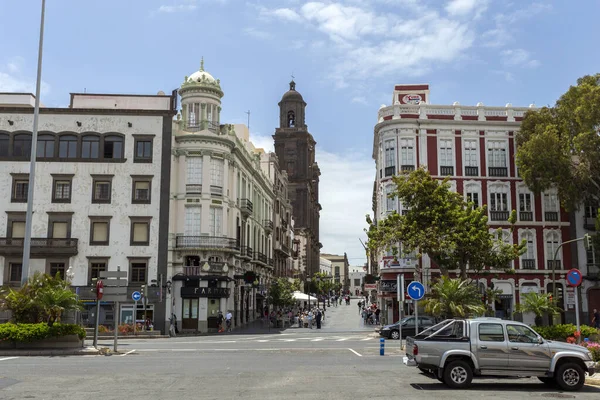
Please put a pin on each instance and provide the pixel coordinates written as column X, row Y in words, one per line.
column 458, row 374
column 570, row 376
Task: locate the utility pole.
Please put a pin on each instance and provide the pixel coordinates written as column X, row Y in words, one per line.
column 32, row 156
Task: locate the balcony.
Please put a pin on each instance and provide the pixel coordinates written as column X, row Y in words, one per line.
column 471, row 171
column 216, row 190
column 589, row 223
column 246, row 207
column 556, row 263
column 498, row 171
column 205, row 243
column 390, row 171
column 202, row 125
column 198, row 270
column 193, row 189
column 268, row 225
column 525, row 216
column 39, row 247
column 499, row 215
column 246, row 252
column 271, row 262
column 260, row 257
column 527, row 263
column 407, row 168
column 447, row 171
column 551, row 216
column 284, row 224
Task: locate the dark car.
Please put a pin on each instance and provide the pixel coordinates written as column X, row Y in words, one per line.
column 408, row 327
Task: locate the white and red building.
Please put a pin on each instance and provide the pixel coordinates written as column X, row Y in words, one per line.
column 475, row 146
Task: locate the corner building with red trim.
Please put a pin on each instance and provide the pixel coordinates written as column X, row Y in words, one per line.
column 475, row 146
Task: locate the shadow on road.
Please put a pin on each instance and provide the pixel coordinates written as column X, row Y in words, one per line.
column 482, row 386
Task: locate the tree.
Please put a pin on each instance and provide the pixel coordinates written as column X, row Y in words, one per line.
column 441, row 224
column 41, row 298
column 559, row 147
column 281, row 293
column 539, row 304
column 454, row 298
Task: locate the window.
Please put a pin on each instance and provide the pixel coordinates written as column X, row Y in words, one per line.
column 498, row 201
column 497, row 154
column 194, row 170
column 140, row 231
column 390, row 202
column 143, row 150
column 473, row 197
column 215, row 222
column 99, row 231
column 22, row 145
column 14, row 272
column 407, row 152
column 192, row 225
column 193, row 114
column 141, row 189
column 521, row 334
column 550, row 202
column 216, row 172
column 138, row 271
column 356, row 282
column 61, row 188
column 113, row 147
column 90, row 147
column 67, row 146
column 59, row 225
column 102, row 188
column 337, row 271
column 525, row 202
column 4, row 145
column 471, row 153
column 491, row 333
column 17, row 229
column 57, row 268
column 446, row 158
column 45, row 146
column 390, row 156
column 528, row 258
column 20, row 189
column 96, row 267
column 552, row 243
column 591, row 211
column 60, row 230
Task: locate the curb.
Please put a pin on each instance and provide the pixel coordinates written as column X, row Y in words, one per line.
column 86, row 351
column 129, row 337
column 592, row 381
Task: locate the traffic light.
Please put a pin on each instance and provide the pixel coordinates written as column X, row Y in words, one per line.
column 142, row 290
column 587, row 241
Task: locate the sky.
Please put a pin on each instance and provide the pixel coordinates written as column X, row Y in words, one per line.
column 345, row 56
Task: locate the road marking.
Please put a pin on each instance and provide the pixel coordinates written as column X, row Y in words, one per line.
column 7, row 358
column 317, row 340
column 358, row 354
column 342, row 339
column 262, row 341
column 129, row 352
column 365, row 339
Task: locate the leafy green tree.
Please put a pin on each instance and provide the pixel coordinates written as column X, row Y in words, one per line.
column 42, row 298
column 539, row 304
column 441, row 224
column 454, row 298
column 281, row 293
column 559, row 147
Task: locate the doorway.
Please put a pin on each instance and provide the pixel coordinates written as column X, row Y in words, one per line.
column 213, row 313
column 189, row 319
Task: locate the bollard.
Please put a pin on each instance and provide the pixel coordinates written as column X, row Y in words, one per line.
column 381, row 346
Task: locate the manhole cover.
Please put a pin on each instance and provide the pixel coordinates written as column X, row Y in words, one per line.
column 558, row 396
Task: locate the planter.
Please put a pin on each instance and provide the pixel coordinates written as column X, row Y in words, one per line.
column 62, row 342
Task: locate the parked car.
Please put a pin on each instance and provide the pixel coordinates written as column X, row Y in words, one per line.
column 455, row 351
column 408, row 327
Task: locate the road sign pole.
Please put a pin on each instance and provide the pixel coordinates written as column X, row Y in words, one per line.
column 97, row 323
column 400, row 291
column 134, row 317
column 577, row 313
column 416, row 318
column 116, row 316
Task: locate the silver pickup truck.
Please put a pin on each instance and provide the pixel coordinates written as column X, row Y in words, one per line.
column 455, row 351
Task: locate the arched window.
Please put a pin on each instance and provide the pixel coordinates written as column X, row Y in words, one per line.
column 113, row 147
column 22, row 145
column 291, row 117
column 45, row 146
column 67, row 146
column 90, row 146
column 3, row 144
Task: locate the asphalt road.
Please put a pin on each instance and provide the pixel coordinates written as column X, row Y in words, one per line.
column 295, row 364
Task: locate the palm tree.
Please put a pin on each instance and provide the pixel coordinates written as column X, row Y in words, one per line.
column 451, row 298
column 539, row 304
column 55, row 300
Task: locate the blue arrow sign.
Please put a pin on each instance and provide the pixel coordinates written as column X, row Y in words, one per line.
column 136, row 296
column 416, row 290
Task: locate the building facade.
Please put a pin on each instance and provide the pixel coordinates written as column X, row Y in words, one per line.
column 325, row 266
column 295, row 149
column 340, row 268
column 222, row 205
column 356, row 275
column 475, row 146
column 100, row 197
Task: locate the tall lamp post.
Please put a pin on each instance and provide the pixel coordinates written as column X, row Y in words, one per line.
column 32, row 157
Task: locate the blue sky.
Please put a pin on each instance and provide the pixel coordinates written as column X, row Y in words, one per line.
column 346, row 55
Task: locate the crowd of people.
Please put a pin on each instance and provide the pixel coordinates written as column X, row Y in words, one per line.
column 369, row 313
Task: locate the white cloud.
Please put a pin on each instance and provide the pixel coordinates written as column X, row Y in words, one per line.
column 359, row 100
column 501, row 34
column 519, row 58
column 184, row 5
column 257, row 33
column 466, row 7
column 281, row 13
column 345, row 193
column 12, row 78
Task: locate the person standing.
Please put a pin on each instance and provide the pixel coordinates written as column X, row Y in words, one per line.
column 318, row 318
column 228, row 318
column 359, row 307
column 596, row 319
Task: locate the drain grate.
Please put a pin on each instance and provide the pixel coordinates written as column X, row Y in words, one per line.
column 558, row 396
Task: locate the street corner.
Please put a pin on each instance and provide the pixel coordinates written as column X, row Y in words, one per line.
column 85, row 351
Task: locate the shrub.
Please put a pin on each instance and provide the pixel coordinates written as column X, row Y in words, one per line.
column 125, row 329
column 33, row 332
column 103, row 329
column 594, row 348
column 563, row 331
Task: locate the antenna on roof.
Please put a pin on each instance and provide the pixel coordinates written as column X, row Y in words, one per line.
column 248, row 112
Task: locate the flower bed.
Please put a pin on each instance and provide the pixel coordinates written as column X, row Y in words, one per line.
column 563, row 331
column 27, row 333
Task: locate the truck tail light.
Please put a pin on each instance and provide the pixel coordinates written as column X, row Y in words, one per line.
column 415, row 350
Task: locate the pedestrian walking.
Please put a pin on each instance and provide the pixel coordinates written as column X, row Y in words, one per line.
column 359, row 307
column 318, row 319
column 228, row 318
column 596, row 319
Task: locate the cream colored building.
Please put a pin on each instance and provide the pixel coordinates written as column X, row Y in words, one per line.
column 340, row 269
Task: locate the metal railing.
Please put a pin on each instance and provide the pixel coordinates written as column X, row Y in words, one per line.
column 193, row 189
column 268, row 224
column 497, row 171
column 526, row 216
column 551, row 216
column 205, row 242
column 258, row 256
column 471, row 171
column 246, row 251
column 407, row 168
column 446, row 170
column 216, row 190
column 246, row 206
column 39, row 246
column 557, row 264
column 499, row 215
column 528, row 263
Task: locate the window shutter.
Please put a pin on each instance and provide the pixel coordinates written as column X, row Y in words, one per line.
column 59, row 230
column 140, row 232
column 18, row 229
column 100, row 232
